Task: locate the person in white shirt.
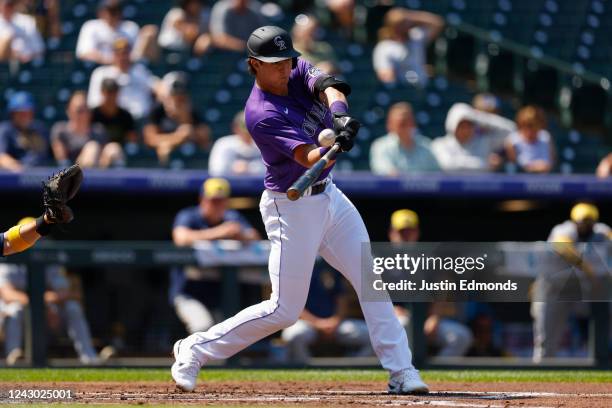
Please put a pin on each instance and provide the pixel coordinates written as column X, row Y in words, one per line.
column 97, row 36
column 399, row 55
column 186, row 28
column 136, row 82
column 235, row 154
column 19, row 37
column 465, row 147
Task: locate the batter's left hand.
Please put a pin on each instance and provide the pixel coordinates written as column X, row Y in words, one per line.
column 346, row 128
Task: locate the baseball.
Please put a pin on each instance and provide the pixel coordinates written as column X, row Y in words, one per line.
column 327, row 137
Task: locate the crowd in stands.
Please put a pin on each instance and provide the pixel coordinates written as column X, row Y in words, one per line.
column 477, row 140
column 128, row 105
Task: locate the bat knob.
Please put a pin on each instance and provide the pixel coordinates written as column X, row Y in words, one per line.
column 293, row 194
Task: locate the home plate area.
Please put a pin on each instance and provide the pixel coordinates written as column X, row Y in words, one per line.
column 292, row 393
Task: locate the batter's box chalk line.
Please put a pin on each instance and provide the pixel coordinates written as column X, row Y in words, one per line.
column 482, row 394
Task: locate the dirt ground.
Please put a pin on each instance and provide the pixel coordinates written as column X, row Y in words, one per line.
column 313, row 394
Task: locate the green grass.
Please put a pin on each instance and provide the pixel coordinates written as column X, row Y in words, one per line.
column 130, row 374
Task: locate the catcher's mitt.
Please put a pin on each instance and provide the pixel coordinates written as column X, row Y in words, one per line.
column 58, row 190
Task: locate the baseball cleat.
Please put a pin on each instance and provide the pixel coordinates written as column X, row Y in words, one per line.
column 184, row 373
column 407, row 381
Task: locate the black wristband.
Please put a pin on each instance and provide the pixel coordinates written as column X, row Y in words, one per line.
column 42, row 227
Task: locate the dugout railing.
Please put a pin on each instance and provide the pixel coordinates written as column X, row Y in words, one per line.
column 228, row 255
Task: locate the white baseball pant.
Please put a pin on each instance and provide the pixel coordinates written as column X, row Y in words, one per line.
column 327, row 224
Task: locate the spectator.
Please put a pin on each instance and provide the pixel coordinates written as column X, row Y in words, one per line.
column 186, row 28
column 492, row 126
column 304, row 35
column 325, row 317
column 118, row 123
column 531, row 147
column 97, row 37
column 604, row 169
column 62, row 302
column 211, row 220
column 444, row 331
column 24, row 141
column 489, row 122
column 344, row 15
column 47, row 16
column 549, row 310
column 136, row 82
column 79, row 141
column 236, row 154
column 403, row 150
column 19, row 38
column 470, row 141
column 232, row 21
column 400, row 55
column 174, row 122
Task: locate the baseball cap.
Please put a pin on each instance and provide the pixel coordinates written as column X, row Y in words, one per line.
column 271, row 44
column 26, row 220
column 216, row 188
column 402, row 219
column 583, row 211
column 21, row 101
column 109, row 84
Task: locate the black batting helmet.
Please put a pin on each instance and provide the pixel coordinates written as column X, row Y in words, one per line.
column 271, row 44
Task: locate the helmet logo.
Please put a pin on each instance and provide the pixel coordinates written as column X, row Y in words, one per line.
column 280, row 43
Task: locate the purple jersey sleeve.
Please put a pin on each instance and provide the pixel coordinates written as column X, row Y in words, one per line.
column 309, row 74
column 1, row 244
column 279, row 135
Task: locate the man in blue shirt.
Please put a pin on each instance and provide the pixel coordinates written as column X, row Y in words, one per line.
column 210, row 220
column 24, row 141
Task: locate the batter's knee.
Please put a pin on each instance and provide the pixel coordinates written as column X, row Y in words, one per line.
column 286, row 317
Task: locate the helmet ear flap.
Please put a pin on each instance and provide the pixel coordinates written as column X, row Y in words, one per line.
column 294, row 63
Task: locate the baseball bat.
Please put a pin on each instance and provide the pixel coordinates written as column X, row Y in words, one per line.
column 312, row 174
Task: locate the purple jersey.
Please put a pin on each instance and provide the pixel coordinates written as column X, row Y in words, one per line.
column 279, row 124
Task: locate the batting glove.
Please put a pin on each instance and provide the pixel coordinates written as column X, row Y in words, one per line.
column 346, row 128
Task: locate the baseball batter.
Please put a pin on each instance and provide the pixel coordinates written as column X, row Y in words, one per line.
column 291, row 102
